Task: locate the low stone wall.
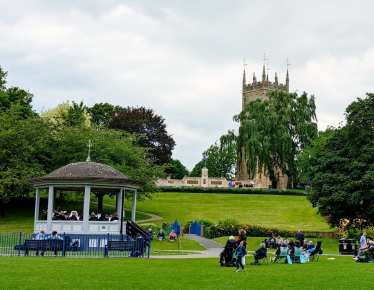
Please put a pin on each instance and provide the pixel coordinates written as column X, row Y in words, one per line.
column 194, row 181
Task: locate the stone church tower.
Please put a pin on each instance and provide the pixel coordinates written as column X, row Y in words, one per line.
column 253, row 91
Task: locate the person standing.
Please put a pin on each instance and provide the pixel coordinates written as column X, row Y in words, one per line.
column 240, row 253
column 242, row 237
column 300, row 237
column 363, row 239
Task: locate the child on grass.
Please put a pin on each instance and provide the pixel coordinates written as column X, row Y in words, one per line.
column 240, row 253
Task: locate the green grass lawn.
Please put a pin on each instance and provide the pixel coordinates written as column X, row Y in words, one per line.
column 60, row 273
column 329, row 246
column 288, row 212
column 185, row 244
column 19, row 214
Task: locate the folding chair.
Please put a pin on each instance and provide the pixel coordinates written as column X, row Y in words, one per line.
column 281, row 258
column 314, row 255
column 298, row 252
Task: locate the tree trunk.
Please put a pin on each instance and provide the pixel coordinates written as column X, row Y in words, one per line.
column 100, row 203
column 289, row 182
column 2, row 209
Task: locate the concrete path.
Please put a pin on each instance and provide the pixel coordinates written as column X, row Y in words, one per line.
column 213, row 249
column 153, row 216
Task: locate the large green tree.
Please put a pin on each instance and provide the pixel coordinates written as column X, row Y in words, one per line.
column 274, row 131
column 25, row 152
column 221, row 158
column 15, row 95
column 101, row 114
column 151, row 129
column 344, row 175
column 176, row 170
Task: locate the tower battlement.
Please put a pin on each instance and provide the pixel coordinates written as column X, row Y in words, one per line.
column 259, row 89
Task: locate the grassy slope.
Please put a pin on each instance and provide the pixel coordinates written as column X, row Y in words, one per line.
column 20, row 214
column 329, row 246
column 41, row 273
column 288, row 212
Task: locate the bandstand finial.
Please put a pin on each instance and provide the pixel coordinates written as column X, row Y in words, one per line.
column 89, row 151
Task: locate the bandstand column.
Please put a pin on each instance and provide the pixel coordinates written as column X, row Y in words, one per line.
column 86, row 208
column 118, row 202
column 37, row 205
column 133, row 210
column 51, row 196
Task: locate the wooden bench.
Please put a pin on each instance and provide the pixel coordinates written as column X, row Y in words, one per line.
column 138, row 245
column 43, row 246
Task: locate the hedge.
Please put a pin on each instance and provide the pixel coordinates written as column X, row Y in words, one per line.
column 198, row 189
column 231, row 227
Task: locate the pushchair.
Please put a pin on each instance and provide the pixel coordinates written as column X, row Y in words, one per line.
column 226, row 257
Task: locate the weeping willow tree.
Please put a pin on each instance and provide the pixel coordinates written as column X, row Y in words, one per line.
column 273, row 133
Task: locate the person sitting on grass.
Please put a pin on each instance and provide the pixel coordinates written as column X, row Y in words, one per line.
column 172, row 236
column 290, row 244
column 240, row 253
column 260, row 253
column 272, row 242
column 286, row 241
column 309, row 246
column 279, row 240
column 266, row 242
column 161, row 235
column 297, row 245
column 277, row 253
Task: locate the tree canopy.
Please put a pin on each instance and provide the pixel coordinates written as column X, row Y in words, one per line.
column 344, row 174
column 151, row 129
column 101, row 114
column 274, row 132
column 221, row 158
column 15, row 95
column 176, row 170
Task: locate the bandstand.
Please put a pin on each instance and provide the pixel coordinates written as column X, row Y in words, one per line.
column 88, row 177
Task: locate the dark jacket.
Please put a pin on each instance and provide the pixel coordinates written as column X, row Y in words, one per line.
column 240, row 251
column 161, row 235
column 241, row 238
column 230, row 244
column 93, row 218
column 300, row 237
column 261, row 253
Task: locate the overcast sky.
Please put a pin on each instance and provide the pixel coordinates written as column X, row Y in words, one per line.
column 184, row 59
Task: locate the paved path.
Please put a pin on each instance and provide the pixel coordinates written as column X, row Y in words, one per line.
column 153, row 216
column 213, row 249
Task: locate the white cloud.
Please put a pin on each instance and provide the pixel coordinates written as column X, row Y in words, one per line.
column 184, row 59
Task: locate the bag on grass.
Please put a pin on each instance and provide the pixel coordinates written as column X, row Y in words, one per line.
column 302, row 259
column 289, row 259
column 243, row 260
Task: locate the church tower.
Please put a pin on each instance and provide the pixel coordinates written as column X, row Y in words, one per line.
column 251, row 92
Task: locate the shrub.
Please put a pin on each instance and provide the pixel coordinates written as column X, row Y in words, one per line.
column 231, row 227
column 206, row 224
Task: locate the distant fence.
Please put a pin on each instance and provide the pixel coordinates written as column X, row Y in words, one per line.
column 330, row 235
column 71, row 245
